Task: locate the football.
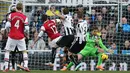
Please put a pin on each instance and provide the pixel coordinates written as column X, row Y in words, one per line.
column 104, row 56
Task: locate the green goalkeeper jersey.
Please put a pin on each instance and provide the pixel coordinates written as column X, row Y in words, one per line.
column 90, row 47
column 91, row 42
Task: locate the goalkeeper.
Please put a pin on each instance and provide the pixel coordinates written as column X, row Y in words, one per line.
column 93, row 40
column 92, row 48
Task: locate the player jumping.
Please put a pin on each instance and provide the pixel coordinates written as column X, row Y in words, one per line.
column 67, row 26
column 79, row 41
column 50, row 28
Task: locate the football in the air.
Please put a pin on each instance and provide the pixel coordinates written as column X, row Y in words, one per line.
column 104, row 56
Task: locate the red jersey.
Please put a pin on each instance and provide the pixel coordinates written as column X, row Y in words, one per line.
column 17, row 20
column 50, row 28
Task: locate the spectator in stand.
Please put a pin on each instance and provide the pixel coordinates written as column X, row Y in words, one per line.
column 115, row 15
column 93, row 16
column 126, row 13
column 126, row 45
column 32, row 30
column 111, row 29
column 40, row 45
column 49, row 12
column 4, row 37
column 125, row 25
column 125, row 29
column 100, row 22
column 114, row 47
column 36, row 17
column 104, row 35
column 105, row 14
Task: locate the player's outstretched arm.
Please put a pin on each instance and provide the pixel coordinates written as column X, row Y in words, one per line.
column 59, row 15
column 104, row 47
column 37, row 38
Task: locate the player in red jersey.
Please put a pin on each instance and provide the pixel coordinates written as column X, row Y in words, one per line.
column 57, row 40
column 49, row 26
column 18, row 21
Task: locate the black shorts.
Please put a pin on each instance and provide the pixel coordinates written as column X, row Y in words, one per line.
column 65, row 41
column 77, row 47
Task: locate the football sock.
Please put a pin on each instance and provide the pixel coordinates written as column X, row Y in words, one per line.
column 6, row 59
column 13, row 59
column 53, row 55
column 74, row 59
column 99, row 59
column 20, row 58
column 25, row 58
column 70, row 64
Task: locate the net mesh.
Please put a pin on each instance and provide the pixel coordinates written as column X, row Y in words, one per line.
column 111, row 16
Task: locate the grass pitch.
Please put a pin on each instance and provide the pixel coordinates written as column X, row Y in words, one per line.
column 50, row 71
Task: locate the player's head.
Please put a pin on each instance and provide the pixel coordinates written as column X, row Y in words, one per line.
column 44, row 18
column 96, row 31
column 52, row 7
column 80, row 7
column 19, row 6
column 80, row 15
column 13, row 8
column 65, row 11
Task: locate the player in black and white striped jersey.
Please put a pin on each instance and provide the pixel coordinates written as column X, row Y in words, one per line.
column 67, row 21
column 68, row 34
column 79, row 41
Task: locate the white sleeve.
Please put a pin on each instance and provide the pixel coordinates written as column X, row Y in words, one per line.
column 43, row 28
column 7, row 25
column 40, row 34
column 9, row 17
column 26, row 21
column 27, row 28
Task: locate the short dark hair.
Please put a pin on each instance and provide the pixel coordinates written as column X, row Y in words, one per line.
column 13, row 8
column 65, row 11
column 19, row 6
column 80, row 5
column 44, row 17
column 95, row 28
column 80, row 14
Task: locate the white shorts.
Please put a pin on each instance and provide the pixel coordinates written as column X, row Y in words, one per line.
column 53, row 44
column 12, row 43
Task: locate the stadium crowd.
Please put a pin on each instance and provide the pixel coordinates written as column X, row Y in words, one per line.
column 114, row 35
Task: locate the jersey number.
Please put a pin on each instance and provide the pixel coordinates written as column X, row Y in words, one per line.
column 17, row 24
column 54, row 29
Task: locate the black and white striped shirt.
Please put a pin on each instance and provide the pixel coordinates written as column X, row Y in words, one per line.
column 68, row 26
column 81, row 30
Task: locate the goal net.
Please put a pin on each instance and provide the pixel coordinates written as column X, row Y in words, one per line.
column 111, row 16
